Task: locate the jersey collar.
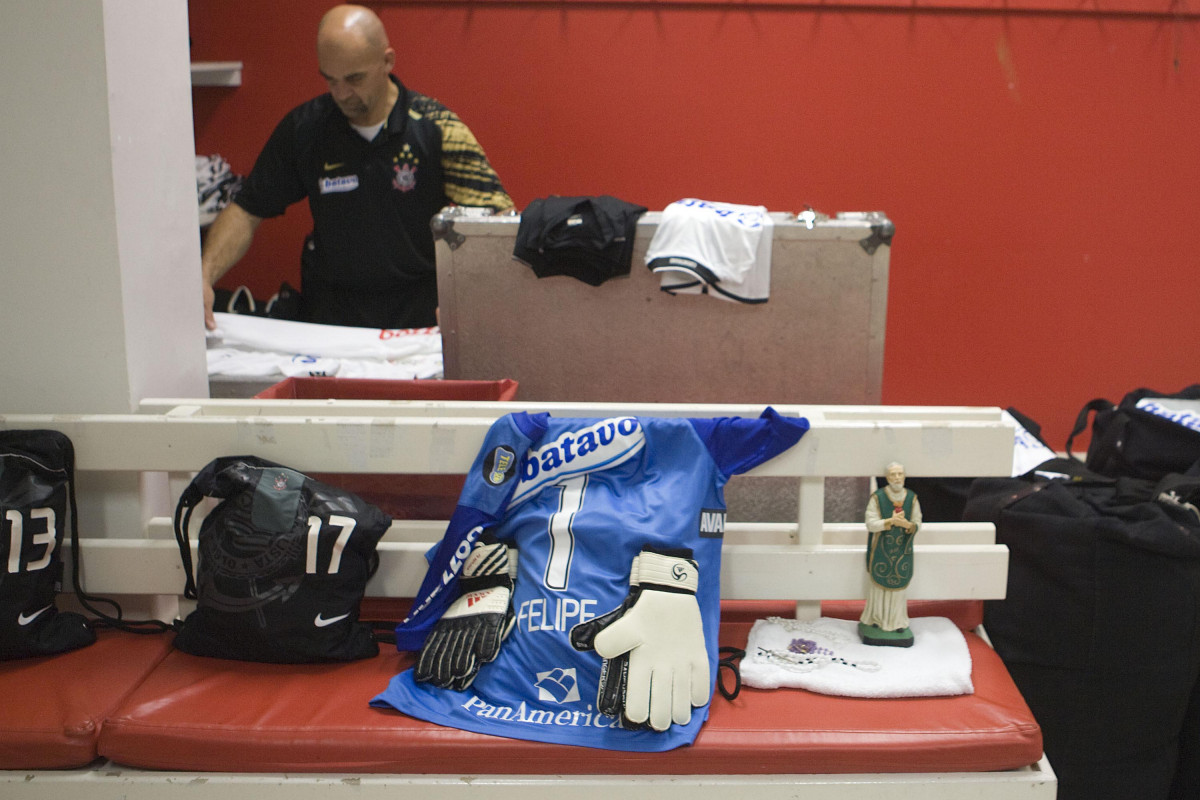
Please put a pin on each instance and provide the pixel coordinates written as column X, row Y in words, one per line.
column 397, row 119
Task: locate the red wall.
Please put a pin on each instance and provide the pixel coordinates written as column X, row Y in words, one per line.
column 1042, row 167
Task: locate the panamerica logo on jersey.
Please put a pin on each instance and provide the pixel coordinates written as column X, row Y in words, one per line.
column 603, row 445
column 559, row 685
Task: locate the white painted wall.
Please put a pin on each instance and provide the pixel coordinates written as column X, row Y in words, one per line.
column 99, row 244
column 99, row 234
column 154, row 184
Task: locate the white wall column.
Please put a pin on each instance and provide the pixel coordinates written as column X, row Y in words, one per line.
column 100, row 258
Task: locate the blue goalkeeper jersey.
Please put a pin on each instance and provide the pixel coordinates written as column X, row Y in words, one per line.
column 579, row 498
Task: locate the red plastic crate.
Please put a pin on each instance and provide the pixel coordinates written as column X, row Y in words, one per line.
column 401, row 496
column 373, row 389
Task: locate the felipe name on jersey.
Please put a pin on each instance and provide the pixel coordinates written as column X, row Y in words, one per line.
column 543, row 615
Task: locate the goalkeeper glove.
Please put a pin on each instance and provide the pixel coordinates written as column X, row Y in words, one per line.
column 614, row 672
column 469, row 634
column 657, row 663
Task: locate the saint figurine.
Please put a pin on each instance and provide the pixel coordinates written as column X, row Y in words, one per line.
column 893, row 516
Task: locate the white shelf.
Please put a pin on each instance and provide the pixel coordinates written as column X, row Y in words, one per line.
column 216, row 73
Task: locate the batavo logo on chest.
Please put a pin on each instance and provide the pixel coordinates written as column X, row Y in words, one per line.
column 603, row 445
column 344, row 183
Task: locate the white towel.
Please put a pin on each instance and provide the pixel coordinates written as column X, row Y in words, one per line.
column 826, row 656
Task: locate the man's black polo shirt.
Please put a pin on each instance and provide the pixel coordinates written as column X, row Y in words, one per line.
column 371, row 261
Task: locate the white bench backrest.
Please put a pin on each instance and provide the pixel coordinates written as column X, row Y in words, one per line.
column 807, row 561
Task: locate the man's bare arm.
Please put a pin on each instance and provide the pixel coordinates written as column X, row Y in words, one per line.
column 226, row 242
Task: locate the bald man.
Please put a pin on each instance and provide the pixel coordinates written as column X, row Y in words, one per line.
column 376, row 161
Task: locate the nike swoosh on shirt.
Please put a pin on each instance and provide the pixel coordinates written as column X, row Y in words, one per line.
column 321, row 622
column 25, row 619
column 329, row 166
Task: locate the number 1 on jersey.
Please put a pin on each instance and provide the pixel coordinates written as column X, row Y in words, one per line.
column 562, row 537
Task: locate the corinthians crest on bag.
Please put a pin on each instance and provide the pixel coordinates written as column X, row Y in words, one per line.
column 283, row 564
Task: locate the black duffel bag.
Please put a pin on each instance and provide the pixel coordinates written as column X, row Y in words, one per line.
column 1147, row 435
column 1100, row 628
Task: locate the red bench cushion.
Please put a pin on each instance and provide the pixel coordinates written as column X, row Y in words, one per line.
column 53, row 707
column 210, row 715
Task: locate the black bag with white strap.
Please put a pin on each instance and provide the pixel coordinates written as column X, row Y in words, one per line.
column 283, row 564
column 1148, row 434
column 36, row 474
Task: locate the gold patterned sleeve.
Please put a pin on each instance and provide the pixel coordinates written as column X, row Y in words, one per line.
column 469, row 178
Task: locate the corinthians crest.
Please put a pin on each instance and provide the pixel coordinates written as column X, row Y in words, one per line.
column 243, row 570
column 253, row 556
column 406, row 177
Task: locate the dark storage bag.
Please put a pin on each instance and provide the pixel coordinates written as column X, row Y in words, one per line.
column 283, row 565
column 1100, row 628
column 36, row 474
column 1147, row 435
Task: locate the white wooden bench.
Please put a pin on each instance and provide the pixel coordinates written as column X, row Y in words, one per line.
column 806, row 562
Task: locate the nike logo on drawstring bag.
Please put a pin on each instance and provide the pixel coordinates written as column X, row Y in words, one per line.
column 322, row 622
column 24, row 619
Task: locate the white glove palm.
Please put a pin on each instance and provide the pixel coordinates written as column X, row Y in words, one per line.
column 663, row 634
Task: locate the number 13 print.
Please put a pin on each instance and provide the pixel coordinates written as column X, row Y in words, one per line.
column 16, row 535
